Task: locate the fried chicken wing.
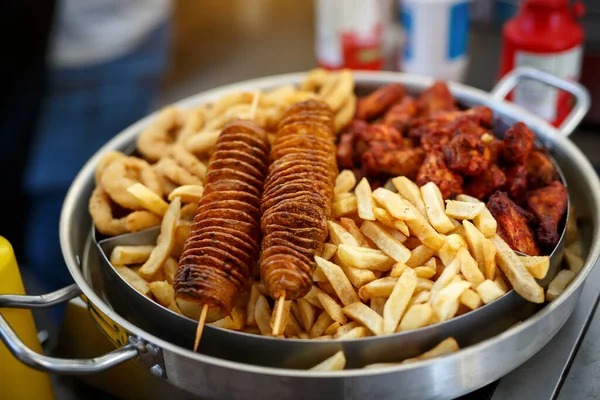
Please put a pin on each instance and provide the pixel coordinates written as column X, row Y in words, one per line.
column 496, row 148
column 376, row 133
column 381, row 160
column 540, row 170
column 400, row 114
column 436, row 98
column 485, row 184
column 376, row 103
column 516, row 181
column 434, row 169
column 470, row 121
column 435, row 138
column 548, row 205
column 466, row 154
column 513, row 224
column 518, row 143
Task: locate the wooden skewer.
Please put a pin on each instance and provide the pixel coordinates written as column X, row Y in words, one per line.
column 254, row 105
column 200, row 327
column 278, row 315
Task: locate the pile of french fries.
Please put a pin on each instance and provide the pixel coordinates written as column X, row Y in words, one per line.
column 397, row 258
column 337, row 362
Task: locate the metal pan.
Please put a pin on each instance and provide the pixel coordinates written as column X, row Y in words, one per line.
column 483, row 359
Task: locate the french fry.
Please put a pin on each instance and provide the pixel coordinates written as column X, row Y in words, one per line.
column 459, row 230
column 410, row 191
column 344, row 182
column 364, row 200
column 320, row 325
column 363, row 314
column 572, row 233
column 402, row 227
column 489, row 259
column 424, row 284
column 343, row 207
column 163, row 292
column 574, row 262
column 419, row 256
column 396, row 304
column 394, row 204
column 559, row 283
column 448, row 252
column 445, row 303
column 536, row 265
column 517, row 274
column 342, row 196
column 475, row 241
column 163, row 248
column 262, row 315
column 336, row 362
column 425, row 271
column 445, row 347
column 133, row 279
column 292, row 328
column 380, row 365
column 361, row 257
column 354, row 333
column 328, row 251
column 384, row 217
column 417, row 316
column 385, row 242
column 128, row 255
column 338, row 235
column 342, row 286
column 377, row 304
column 463, row 210
column 319, row 276
column 173, row 307
column 397, row 270
column 575, row 248
column 434, row 205
column 331, row 329
column 303, row 335
column 489, row 291
column 351, row 227
column 169, row 269
column 484, row 221
column 421, row 228
column 148, row 199
column 420, row 297
column 331, row 307
column 469, row 268
column 357, row 276
column 313, row 297
column 447, row 275
column 307, row 314
column 251, row 306
column 381, row 287
column 187, row 193
column 470, row 299
column 499, row 280
column 346, row 328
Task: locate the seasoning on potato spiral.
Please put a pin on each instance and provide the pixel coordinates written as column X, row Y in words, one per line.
column 223, row 245
column 297, row 198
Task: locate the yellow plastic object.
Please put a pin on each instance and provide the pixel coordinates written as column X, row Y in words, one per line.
column 18, row 380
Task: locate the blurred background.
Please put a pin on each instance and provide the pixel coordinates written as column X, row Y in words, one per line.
column 81, row 71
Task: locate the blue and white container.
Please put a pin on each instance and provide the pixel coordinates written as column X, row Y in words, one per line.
column 437, row 33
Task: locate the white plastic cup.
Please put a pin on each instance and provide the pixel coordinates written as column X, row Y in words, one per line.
column 437, row 33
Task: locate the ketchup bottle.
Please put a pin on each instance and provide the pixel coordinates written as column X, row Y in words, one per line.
column 545, row 35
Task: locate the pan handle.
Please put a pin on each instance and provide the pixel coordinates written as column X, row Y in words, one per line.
column 50, row 364
column 581, row 94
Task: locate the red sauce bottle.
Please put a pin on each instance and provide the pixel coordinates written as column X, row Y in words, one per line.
column 544, row 34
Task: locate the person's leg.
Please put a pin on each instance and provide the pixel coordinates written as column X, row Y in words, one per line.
column 85, row 109
column 24, row 31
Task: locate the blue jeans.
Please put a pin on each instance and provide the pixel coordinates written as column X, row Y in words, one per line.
column 85, row 108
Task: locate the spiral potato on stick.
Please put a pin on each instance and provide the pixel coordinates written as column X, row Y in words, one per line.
column 297, row 198
column 223, row 244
